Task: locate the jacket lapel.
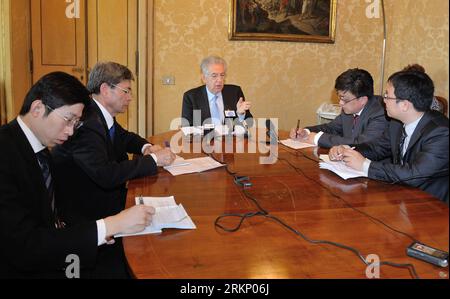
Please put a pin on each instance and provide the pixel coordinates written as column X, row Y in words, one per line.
column 418, row 132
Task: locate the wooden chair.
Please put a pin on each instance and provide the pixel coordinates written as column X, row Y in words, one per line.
column 443, row 105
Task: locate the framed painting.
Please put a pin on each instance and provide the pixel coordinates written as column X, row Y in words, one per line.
column 283, row 20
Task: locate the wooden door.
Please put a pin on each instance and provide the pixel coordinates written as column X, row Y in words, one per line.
column 112, row 36
column 58, row 38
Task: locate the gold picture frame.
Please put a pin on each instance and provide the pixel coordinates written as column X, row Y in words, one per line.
column 283, row 20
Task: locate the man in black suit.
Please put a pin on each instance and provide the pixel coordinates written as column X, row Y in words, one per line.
column 415, row 142
column 213, row 102
column 362, row 118
column 94, row 163
column 34, row 240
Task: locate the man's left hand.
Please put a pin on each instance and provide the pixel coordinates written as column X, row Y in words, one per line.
column 242, row 106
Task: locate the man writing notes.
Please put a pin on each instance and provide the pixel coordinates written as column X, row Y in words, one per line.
column 215, row 100
column 94, row 163
column 35, row 240
column 362, row 118
column 414, row 148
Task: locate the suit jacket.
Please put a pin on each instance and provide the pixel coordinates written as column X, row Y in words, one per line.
column 370, row 125
column 94, row 172
column 31, row 247
column 197, row 99
column 425, row 163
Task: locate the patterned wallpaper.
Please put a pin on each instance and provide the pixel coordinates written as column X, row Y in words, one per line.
column 289, row 80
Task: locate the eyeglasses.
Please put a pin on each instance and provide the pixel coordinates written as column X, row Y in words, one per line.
column 341, row 98
column 74, row 122
column 216, row 76
column 126, row 91
column 386, row 97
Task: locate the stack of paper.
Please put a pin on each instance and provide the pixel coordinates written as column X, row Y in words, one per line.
column 167, row 215
column 295, row 144
column 192, row 165
column 339, row 168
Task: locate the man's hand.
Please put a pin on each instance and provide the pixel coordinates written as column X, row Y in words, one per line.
column 152, row 149
column 299, row 134
column 310, row 138
column 353, row 159
column 242, row 106
column 336, row 153
column 164, row 157
column 131, row 220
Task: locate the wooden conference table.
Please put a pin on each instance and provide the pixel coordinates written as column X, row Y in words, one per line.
column 313, row 201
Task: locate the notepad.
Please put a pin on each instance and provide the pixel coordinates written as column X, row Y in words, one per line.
column 339, row 168
column 294, row 144
column 167, row 215
column 193, row 166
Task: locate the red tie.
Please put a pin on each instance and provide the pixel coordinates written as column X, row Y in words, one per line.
column 355, row 121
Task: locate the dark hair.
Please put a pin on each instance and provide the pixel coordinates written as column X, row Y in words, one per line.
column 107, row 72
column 414, row 86
column 357, row 81
column 55, row 90
column 414, row 68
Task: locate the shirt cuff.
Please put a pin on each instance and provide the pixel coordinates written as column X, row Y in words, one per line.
column 145, row 146
column 154, row 158
column 366, row 166
column 101, row 232
column 317, row 137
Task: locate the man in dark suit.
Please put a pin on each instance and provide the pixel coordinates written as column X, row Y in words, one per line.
column 34, row 240
column 362, row 118
column 415, row 142
column 94, row 163
column 213, row 102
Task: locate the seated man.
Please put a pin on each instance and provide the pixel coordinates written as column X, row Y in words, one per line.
column 414, row 148
column 362, row 118
column 94, row 164
column 215, row 101
column 34, row 242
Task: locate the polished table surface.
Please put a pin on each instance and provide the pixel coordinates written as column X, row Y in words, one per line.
column 313, row 201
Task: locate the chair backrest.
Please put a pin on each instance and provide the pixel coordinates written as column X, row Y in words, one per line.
column 443, row 105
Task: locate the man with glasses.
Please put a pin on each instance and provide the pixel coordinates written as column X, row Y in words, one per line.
column 215, row 100
column 94, row 163
column 35, row 242
column 362, row 118
column 414, row 148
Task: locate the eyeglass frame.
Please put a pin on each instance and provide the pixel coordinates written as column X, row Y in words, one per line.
column 126, row 91
column 348, row 101
column 74, row 123
column 216, row 76
column 385, row 97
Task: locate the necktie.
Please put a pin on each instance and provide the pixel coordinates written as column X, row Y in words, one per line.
column 215, row 113
column 112, row 131
column 355, row 121
column 400, row 146
column 43, row 159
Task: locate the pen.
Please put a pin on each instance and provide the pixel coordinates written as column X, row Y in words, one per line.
column 298, row 127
